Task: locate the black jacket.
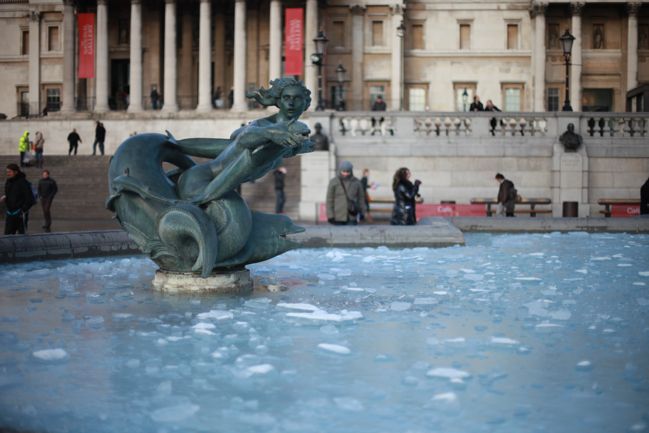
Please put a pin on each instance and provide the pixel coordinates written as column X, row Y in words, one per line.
column 100, row 133
column 19, row 193
column 403, row 212
column 279, row 180
column 507, row 195
column 47, row 188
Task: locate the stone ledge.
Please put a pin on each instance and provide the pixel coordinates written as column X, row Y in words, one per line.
column 550, row 224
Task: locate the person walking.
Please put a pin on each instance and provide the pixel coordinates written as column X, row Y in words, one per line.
column 39, row 141
column 18, row 199
column 345, row 197
column 23, row 147
column 74, row 140
column 506, row 196
column 47, row 189
column 100, row 137
column 280, row 198
column 405, row 195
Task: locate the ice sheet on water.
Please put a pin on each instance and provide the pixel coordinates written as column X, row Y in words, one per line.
column 336, row 255
column 452, row 374
column 204, row 328
column 298, row 306
column 215, row 315
column 448, row 397
column 50, row 354
column 343, row 316
column 335, row 348
column 175, row 413
column 504, row 340
column 644, row 273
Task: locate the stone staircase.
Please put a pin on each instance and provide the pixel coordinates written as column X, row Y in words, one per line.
column 83, row 190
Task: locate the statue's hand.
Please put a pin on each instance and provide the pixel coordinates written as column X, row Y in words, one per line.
column 280, row 135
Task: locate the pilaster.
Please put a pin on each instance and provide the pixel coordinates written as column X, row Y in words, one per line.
column 358, row 46
column 169, row 96
column 576, row 57
column 101, row 71
column 34, row 62
column 205, row 57
column 239, row 56
column 135, row 93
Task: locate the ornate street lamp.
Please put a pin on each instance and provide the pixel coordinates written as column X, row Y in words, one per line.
column 340, row 77
column 317, row 59
column 465, row 98
column 566, row 45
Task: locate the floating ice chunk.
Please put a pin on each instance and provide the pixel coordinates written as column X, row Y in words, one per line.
column 174, row 338
column 624, row 265
column 642, row 302
column 335, row 348
column 50, row 354
column 448, row 397
column 425, row 301
column 216, row 315
column 323, row 315
column 336, row 255
column 527, row 278
column 639, row 426
column 546, row 325
column 348, row 403
column 504, row 340
column 174, row 413
column 440, row 292
column 584, row 365
column 467, row 271
column 455, row 340
column 638, row 283
column 582, row 271
column 258, row 369
column 121, row 316
column 478, row 290
column 354, row 289
column 204, row 328
column 452, row 374
column 644, row 273
column 536, row 254
column 400, row 306
column 298, row 306
column 599, row 259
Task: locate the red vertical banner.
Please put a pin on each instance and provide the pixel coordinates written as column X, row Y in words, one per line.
column 294, row 42
column 86, row 25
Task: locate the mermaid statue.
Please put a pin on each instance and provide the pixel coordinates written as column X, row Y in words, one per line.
column 190, row 218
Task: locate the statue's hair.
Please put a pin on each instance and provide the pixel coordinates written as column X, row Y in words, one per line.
column 268, row 97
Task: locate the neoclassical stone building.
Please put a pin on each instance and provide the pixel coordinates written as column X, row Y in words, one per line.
column 419, row 54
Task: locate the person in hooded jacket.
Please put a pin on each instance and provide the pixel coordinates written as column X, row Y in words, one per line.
column 18, row 199
column 345, row 197
column 405, row 194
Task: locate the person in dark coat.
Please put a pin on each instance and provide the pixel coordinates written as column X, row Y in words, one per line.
column 506, row 195
column 100, row 137
column 280, row 197
column 18, row 199
column 74, row 140
column 476, row 105
column 493, row 122
column 405, row 194
column 644, row 198
column 345, row 197
column 47, row 189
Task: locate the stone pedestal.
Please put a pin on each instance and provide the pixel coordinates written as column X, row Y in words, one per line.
column 315, row 172
column 570, row 180
column 231, row 283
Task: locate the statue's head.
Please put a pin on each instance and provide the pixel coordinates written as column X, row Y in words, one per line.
column 288, row 94
column 571, row 127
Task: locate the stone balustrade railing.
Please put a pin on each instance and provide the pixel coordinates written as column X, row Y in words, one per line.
column 439, row 125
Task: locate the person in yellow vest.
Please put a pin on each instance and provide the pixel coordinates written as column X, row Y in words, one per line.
column 23, row 147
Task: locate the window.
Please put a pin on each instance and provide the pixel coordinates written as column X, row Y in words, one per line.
column 123, row 31
column 465, row 36
column 553, row 99
column 24, row 47
column 53, row 99
column 376, row 90
column 512, row 36
column 463, row 95
column 338, row 34
column 417, row 36
column 416, row 99
column 53, row 40
column 599, row 37
column 553, row 36
column 512, row 97
column 377, row 33
column 597, row 100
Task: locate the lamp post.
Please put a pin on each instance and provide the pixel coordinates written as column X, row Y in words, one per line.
column 465, row 98
column 566, row 45
column 317, row 59
column 340, row 77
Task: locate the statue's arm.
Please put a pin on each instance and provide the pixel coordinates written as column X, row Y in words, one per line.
column 203, row 147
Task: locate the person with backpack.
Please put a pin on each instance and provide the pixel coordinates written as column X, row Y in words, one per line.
column 506, row 196
column 345, row 197
column 18, row 199
column 47, row 189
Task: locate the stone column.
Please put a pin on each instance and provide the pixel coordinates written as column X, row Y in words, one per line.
column 275, row 56
column 135, row 84
column 575, row 58
column 34, row 62
column 101, row 71
column 205, row 57
column 219, row 53
column 632, row 46
column 396, row 84
column 69, row 51
column 358, row 45
column 310, row 32
column 538, row 13
column 239, row 103
column 170, row 92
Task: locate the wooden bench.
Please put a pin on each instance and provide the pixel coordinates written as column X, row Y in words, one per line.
column 531, row 202
column 609, row 202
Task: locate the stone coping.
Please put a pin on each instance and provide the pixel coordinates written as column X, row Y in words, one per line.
column 431, row 232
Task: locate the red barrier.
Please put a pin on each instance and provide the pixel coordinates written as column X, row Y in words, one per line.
column 625, row 210
column 428, row 210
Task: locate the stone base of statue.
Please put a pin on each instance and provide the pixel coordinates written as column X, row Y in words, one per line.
column 236, row 282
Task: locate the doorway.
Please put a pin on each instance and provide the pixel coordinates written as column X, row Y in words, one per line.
column 119, row 84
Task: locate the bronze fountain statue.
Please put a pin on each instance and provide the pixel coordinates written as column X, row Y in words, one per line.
column 191, row 219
